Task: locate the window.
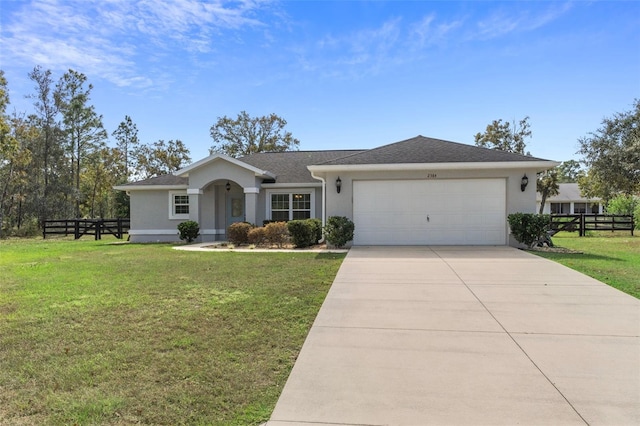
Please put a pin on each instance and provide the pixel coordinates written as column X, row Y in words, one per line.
column 560, row 208
column 290, row 206
column 579, row 208
column 178, row 205
column 301, row 206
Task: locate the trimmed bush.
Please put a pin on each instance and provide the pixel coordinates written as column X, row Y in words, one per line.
column 339, row 230
column 257, row 236
column 529, row 228
column 302, row 232
column 237, row 233
column 188, row 230
column 276, row 233
column 316, row 224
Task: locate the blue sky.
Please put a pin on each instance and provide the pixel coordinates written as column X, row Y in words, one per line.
column 344, row 74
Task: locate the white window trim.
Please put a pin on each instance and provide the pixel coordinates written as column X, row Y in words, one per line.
column 172, row 215
column 310, row 191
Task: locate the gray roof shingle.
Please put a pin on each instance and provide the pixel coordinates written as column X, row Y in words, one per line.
column 421, row 149
column 291, row 166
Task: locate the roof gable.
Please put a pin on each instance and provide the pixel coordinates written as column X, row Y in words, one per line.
column 184, row 172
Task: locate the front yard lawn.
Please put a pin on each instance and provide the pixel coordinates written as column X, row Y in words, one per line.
column 610, row 258
column 93, row 332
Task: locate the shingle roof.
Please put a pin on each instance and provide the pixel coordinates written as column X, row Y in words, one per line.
column 291, row 166
column 568, row 192
column 421, row 149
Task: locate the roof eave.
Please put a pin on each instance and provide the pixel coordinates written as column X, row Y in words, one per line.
column 535, row 164
column 149, row 187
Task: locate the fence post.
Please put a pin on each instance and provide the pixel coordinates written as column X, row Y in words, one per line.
column 76, row 230
column 98, row 229
column 582, row 225
column 119, row 228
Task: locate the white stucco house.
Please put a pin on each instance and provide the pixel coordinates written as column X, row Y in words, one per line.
column 421, row 191
column 569, row 201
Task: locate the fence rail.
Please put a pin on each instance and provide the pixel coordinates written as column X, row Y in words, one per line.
column 591, row 222
column 80, row 227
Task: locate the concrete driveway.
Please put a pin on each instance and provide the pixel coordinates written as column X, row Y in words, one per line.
column 465, row 335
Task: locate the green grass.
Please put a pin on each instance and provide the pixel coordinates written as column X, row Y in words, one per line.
column 608, row 257
column 93, row 332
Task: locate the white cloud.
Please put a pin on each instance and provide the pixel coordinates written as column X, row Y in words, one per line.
column 106, row 38
column 501, row 22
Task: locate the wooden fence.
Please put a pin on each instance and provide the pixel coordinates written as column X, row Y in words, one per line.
column 591, row 222
column 80, row 227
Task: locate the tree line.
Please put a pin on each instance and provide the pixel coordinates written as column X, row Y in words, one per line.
column 56, row 161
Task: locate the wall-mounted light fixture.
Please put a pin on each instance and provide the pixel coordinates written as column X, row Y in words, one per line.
column 228, row 186
column 338, row 184
column 524, row 182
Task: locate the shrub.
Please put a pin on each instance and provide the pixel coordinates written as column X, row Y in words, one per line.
column 339, row 230
column 189, row 230
column 302, row 232
column 276, row 233
column 529, row 228
column 237, row 233
column 257, row 235
column 623, row 204
column 627, row 205
column 316, row 224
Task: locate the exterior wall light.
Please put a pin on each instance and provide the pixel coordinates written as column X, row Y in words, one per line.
column 338, row 184
column 228, row 186
column 524, row 182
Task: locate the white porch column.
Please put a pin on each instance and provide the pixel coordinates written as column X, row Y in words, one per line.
column 194, row 204
column 251, row 204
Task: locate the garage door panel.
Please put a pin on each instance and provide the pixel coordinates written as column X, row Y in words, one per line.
column 442, row 212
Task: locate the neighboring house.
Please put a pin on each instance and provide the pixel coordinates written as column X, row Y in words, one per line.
column 417, row 191
column 569, row 201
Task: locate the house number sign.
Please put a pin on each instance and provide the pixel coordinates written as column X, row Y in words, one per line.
column 432, row 175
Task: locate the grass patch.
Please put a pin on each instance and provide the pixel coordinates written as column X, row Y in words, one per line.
column 98, row 333
column 611, row 258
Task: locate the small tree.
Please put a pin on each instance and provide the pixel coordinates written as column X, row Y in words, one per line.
column 547, row 185
column 339, row 230
column 189, row 230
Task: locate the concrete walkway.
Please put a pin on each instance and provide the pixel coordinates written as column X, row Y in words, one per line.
column 462, row 335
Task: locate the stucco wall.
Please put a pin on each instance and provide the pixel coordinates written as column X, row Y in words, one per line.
column 150, row 217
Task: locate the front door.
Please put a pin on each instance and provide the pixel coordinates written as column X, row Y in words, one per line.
column 235, row 209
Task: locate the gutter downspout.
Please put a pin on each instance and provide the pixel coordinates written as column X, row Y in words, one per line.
column 324, row 203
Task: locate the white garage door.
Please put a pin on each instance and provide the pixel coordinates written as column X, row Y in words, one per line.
column 433, row 212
